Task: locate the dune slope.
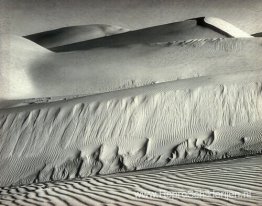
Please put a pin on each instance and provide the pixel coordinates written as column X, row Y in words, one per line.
column 70, row 35
column 226, row 27
column 184, row 121
column 198, row 28
column 36, row 74
column 17, row 55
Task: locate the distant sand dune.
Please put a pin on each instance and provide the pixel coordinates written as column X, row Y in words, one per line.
column 226, row 27
column 231, row 182
column 70, row 35
column 177, row 31
column 198, row 28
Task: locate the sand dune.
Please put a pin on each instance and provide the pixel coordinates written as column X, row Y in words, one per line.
column 184, row 121
column 226, row 27
column 96, row 114
column 34, row 74
column 198, row 28
column 28, row 17
column 231, row 182
column 70, row 35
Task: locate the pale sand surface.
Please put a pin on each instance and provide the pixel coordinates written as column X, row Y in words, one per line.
column 231, row 182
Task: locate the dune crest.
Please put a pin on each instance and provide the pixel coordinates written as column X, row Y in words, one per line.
column 179, row 122
column 73, row 34
column 196, row 28
column 226, row 27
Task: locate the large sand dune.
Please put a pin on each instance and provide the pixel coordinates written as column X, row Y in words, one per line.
column 34, row 72
column 198, row 28
column 170, row 123
column 29, row 17
column 232, row 182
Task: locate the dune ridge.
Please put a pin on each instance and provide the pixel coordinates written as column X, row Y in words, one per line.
column 196, row 28
column 94, row 71
column 73, row 34
column 226, row 27
column 108, row 134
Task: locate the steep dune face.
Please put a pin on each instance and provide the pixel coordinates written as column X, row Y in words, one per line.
column 178, row 31
column 257, row 34
column 108, row 69
column 231, row 182
column 132, row 14
column 70, row 35
column 184, row 121
column 82, row 37
column 226, row 27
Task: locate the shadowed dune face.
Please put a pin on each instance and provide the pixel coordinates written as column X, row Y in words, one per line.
column 190, row 29
column 257, row 34
column 131, row 14
column 86, row 37
column 70, row 35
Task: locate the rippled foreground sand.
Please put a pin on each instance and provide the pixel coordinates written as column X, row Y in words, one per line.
column 231, row 182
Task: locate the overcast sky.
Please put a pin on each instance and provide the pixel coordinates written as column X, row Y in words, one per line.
column 24, row 17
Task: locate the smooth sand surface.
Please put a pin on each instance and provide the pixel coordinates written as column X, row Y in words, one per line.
column 178, row 31
column 197, row 28
column 28, row 17
column 226, row 27
column 73, row 34
column 231, row 182
column 31, row 71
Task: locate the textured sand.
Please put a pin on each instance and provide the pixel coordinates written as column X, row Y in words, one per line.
column 99, row 109
column 164, row 124
column 234, row 182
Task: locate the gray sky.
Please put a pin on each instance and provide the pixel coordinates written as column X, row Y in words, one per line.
column 24, row 17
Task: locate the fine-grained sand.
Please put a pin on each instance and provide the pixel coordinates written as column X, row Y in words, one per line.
column 164, row 124
column 232, row 182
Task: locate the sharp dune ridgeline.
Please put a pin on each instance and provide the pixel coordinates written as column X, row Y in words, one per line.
column 74, row 34
column 94, row 106
column 197, row 28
